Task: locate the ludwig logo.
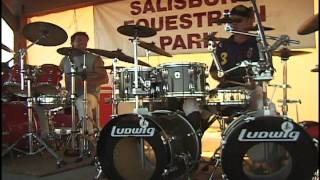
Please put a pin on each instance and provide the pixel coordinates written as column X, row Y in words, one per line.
column 142, row 131
column 285, row 135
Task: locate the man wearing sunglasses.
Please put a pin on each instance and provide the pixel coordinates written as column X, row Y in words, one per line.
column 234, row 50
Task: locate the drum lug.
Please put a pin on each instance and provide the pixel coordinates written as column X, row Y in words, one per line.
column 191, row 71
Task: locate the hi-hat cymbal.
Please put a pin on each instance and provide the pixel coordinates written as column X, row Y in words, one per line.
column 316, row 69
column 136, row 31
column 286, row 53
column 46, row 34
column 152, row 47
column 117, row 54
column 6, row 48
column 69, row 51
column 310, row 25
column 265, row 28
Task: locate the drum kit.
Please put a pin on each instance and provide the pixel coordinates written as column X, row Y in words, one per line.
column 161, row 144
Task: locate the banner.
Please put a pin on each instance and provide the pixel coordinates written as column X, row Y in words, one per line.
column 180, row 24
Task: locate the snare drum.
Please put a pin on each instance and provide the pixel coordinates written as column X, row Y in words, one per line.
column 147, row 78
column 51, row 101
column 15, row 122
column 229, row 97
column 49, row 77
column 267, row 147
column 183, row 79
column 13, row 83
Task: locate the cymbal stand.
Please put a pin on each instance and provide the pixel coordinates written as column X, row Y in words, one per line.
column 84, row 146
column 32, row 137
column 73, row 133
column 114, row 83
column 143, row 121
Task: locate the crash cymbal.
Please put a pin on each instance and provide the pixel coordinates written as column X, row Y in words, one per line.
column 152, row 47
column 69, row 51
column 46, row 34
column 265, row 28
column 316, row 69
column 116, row 54
column 136, row 31
column 6, row 48
column 310, row 25
column 286, row 53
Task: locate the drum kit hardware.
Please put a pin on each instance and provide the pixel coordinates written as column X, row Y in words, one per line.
column 45, row 34
column 316, row 69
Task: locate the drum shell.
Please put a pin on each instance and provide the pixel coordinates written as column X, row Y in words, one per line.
column 311, row 127
column 15, row 122
column 125, row 83
column 173, row 136
column 183, row 79
column 233, row 150
column 48, row 81
column 13, row 84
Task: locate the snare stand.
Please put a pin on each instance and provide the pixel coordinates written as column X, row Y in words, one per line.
column 32, row 137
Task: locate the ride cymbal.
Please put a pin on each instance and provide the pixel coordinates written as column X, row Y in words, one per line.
column 152, row 47
column 45, row 34
column 286, row 53
column 136, row 31
column 69, row 51
column 310, row 25
column 111, row 67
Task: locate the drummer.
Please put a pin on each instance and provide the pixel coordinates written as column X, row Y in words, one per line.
column 235, row 49
column 95, row 76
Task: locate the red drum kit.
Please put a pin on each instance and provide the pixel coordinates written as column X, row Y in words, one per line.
column 162, row 144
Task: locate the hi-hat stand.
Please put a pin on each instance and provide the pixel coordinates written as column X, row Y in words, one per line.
column 30, row 135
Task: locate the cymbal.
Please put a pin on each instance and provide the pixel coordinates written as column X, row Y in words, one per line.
column 85, row 74
column 286, row 53
column 226, row 20
column 211, row 37
column 310, row 25
column 152, row 47
column 111, row 67
column 316, row 69
column 116, row 54
column 6, row 48
column 46, row 34
column 136, row 31
column 265, row 28
column 69, row 51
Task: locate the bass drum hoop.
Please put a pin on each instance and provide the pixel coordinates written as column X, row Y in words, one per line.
column 233, row 151
column 106, row 145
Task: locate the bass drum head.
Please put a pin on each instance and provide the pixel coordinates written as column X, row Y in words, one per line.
column 267, row 148
column 122, row 157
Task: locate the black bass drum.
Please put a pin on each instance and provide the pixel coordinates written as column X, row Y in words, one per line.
column 161, row 145
column 267, row 148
